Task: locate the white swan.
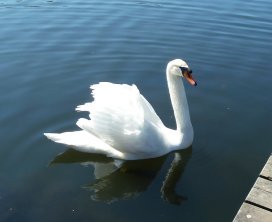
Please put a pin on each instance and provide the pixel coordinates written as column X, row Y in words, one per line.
column 124, row 125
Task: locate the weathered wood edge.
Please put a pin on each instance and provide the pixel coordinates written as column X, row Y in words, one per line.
column 267, row 170
column 258, row 203
column 249, row 212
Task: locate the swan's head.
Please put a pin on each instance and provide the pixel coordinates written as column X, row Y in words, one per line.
column 180, row 68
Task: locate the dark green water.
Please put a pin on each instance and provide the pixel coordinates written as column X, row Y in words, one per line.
column 51, row 51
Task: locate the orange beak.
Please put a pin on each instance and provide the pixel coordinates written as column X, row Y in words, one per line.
column 188, row 76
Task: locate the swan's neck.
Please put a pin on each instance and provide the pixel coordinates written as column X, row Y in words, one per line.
column 179, row 101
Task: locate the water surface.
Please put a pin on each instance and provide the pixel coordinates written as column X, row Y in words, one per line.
column 51, row 51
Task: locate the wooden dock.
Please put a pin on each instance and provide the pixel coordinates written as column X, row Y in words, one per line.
column 258, row 204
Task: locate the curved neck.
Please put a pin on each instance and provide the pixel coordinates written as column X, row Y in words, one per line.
column 178, row 100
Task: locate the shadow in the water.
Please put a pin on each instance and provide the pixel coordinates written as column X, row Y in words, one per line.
column 116, row 180
column 73, row 156
column 173, row 175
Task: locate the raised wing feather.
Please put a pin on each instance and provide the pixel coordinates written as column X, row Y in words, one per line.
column 122, row 118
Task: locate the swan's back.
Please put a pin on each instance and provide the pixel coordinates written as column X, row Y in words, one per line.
column 123, row 118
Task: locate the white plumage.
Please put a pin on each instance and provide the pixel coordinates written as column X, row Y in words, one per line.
column 124, row 125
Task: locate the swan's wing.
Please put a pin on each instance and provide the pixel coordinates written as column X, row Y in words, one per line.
column 122, row 118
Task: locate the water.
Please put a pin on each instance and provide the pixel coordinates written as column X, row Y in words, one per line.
column 51, row 51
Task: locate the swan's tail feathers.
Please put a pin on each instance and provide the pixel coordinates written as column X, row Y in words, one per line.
column 85, row 142
column 53, row 136
column 77, row 138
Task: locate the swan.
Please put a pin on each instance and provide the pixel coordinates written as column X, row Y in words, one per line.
column 123, row 125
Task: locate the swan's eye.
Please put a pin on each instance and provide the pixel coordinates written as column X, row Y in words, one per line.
column 184, row 69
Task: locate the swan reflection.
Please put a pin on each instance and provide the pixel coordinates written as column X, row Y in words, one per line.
column 116, row 180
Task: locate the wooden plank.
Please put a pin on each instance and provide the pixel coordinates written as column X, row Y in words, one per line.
column 249, row 213
column 267, row 170
column 261, row 193
column 258, row 204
